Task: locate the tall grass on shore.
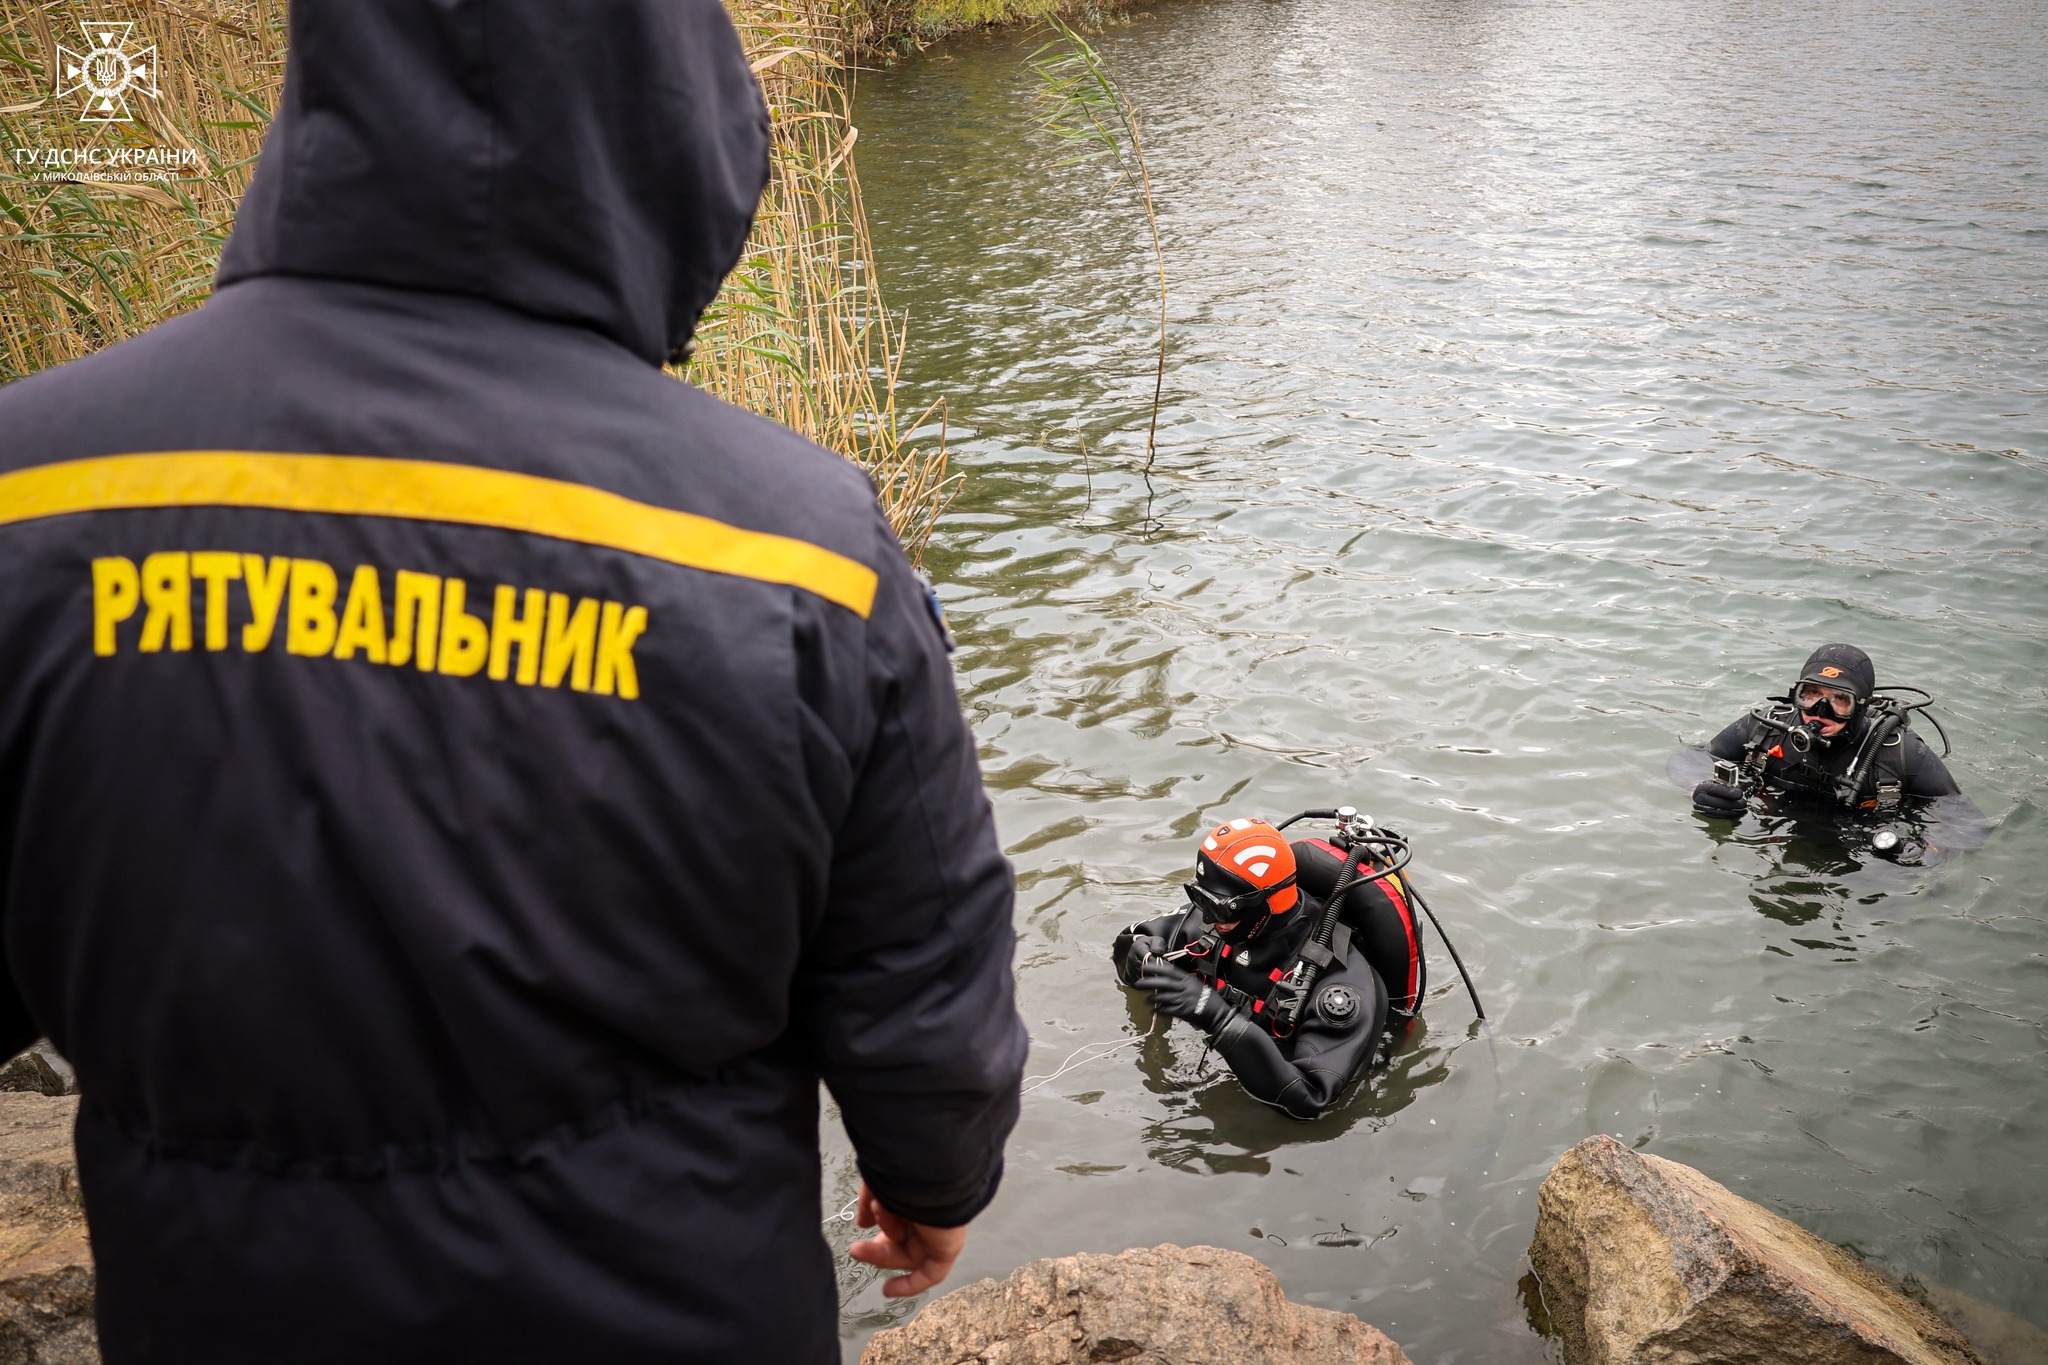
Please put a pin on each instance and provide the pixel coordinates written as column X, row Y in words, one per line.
column 895, row 25
column 799, row 332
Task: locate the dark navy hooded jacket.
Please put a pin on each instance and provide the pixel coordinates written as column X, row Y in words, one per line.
column 460, row 787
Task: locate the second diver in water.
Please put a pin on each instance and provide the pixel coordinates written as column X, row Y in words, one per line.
column 1297, row 959
column 1837, row 741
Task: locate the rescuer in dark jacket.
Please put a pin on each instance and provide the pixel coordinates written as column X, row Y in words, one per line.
column 1223, row 962
column 1832, row 742
column 460, row 787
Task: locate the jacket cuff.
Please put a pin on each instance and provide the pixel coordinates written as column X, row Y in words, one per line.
column 946, row 1215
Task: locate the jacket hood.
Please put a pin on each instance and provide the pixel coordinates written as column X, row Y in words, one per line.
column 596, row 164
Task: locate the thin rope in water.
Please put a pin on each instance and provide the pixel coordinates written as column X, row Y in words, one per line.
column 1108, row 1050
column 846, row 1211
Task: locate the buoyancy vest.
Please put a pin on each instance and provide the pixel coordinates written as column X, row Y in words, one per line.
column 1861, row 770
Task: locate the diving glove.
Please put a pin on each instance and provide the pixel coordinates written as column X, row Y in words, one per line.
column 1132, row 953
column 1718, row 800
column 1182, row 995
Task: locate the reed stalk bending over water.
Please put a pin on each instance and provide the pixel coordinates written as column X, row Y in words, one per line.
column 1086, row 110
column 798, row 333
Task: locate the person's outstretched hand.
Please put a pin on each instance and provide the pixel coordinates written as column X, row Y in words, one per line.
column 926, row 1252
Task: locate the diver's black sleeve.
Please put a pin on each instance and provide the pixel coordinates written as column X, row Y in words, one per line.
column 1731, row 742
column 1327, row 1054
column 1953, row 824
column 1950, row 820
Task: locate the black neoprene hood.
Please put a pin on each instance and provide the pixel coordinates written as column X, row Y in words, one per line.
column 597, row 164
column 1842, row 666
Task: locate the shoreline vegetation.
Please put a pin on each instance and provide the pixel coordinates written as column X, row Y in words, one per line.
column 92, row 256
column 896, row 26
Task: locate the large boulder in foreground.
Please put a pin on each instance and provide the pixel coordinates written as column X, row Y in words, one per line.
column 1163, row 1305
column 46, row 1279
column 1643, row 1261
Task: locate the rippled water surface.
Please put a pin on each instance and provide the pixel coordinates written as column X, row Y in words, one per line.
column 1546, row 380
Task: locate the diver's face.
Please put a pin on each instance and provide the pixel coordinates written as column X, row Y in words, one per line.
column 1828, row 708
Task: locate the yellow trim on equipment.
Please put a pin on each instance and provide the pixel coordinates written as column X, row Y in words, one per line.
column 424, row 490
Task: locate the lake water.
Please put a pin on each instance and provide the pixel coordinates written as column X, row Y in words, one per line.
column 1546, row 380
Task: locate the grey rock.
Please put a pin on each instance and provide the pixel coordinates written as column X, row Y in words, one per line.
column 1643, row 1261
column 1163, row 1305
column 31, row 1072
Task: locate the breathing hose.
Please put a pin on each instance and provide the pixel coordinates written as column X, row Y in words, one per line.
column 1456, row 961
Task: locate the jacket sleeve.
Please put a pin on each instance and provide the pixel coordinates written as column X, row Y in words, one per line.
column 17, row 1030
column 1327, row 1054
column 904, row 994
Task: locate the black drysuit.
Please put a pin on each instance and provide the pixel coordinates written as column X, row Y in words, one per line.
column 1902, row 761
column 1901, row 771
column 460, row 787
column 1339, row 1030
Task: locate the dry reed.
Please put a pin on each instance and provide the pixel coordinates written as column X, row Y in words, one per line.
column 799, row 333
column 897, row 25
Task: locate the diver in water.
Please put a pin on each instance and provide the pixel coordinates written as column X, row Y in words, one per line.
column 1834, row 741
column 1296, row 999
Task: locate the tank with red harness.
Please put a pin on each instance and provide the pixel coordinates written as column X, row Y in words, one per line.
column 1299, row 959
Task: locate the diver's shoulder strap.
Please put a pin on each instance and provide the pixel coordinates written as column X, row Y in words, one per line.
column 1887, row 720
column 1754, row 753
column 1340, row 946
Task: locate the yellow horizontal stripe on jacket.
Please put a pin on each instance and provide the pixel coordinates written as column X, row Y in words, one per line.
column 425, row 490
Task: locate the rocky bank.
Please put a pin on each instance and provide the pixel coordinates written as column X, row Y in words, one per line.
column 46, row 1278
column 1163, row 1305
column 1638, row 1261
